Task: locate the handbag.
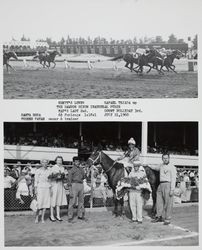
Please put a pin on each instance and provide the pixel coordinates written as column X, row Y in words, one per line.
column 34, row 205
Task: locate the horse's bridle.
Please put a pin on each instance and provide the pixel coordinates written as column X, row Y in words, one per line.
column 99, row 157
column 93, row 161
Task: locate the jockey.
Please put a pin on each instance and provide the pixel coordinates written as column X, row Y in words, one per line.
column 139, row 52
column 130, row 157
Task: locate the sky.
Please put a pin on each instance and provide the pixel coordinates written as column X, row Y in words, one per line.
column 117, row 19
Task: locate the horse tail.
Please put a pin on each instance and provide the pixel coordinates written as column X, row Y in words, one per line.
column 116, row 58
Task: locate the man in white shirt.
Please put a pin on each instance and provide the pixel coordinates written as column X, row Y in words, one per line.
column 135, row 197
column 165, row 190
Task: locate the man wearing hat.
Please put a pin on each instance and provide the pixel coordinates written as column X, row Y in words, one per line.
column 76, row 176
column 131, row 156
column 135, row 197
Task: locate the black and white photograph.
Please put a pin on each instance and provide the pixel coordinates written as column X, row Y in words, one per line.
column 100, row 49
column 100, row 123
column 101, row 183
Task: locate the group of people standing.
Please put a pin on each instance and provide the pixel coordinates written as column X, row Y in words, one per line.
column 165, row 191
column 50, row 193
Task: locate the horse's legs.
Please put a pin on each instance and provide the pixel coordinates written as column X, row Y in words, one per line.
column 126, row 65
column 119, row 207
column 115, row 212
column 9, row 66
column 154, row 190
column 140, row 70
column 131, row 66
column 54, row 65
column 173, row 66
column 172, row 69
column 149, row 68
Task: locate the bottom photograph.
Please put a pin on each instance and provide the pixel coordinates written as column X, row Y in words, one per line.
column 101, row 184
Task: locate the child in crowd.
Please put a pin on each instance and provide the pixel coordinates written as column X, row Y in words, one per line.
column 177, row 193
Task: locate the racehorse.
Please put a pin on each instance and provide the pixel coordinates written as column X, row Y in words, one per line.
column 168, row 61
column 47, row 57
column 115, row 171
column 141, row 61
column 6, row 57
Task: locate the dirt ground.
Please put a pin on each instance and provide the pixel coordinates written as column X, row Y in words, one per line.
column 100, row 82
column 101, row 228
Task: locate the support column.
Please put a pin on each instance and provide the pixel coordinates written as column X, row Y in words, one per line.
column 119, row 131
column 34, row 127
column 154, row 137
column 184, row 135
column 144, row 141
column 80, row 132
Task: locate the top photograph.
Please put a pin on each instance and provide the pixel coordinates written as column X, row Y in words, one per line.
column 93, row 49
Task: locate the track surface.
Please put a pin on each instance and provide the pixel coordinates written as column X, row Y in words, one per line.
column 102, row 228
column 100, row 82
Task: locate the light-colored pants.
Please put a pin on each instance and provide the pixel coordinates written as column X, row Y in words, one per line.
column 136, row 203
column 77, row 190
column 164, row 202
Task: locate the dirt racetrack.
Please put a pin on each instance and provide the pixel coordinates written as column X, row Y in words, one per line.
column 100, row 82
column 101, row 228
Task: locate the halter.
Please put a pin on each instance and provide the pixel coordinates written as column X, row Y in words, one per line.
column 93, row 161
column 99, row 157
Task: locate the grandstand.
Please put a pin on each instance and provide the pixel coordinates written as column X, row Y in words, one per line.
column 33, row 141
column 25, row 48
column 28, row 48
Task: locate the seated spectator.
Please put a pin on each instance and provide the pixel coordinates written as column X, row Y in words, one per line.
column 99, row 193
column 192, row 178
column 177, row 194
column 196, row 181
column 8, row 180
column 22, row 187
column 188, row 191
column 183, row 189
column 109, row 191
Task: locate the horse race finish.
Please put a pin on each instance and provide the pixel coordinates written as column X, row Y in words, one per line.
column 151, row 56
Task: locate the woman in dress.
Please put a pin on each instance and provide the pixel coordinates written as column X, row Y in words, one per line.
column 42, row 186
column 58, row 197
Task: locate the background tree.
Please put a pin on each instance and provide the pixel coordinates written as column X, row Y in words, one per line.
column 159, row 39
column 172, row 39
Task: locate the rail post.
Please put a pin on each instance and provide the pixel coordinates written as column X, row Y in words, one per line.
column 25, row 63
column 67, row 65
column 191, row 65
column 115, row 66
column 90, row 66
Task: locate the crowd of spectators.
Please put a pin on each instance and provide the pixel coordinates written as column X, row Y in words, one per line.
column 49, row 140
column 187, row 185
column 20, row 179
column 86, row 146
column 173, row 150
